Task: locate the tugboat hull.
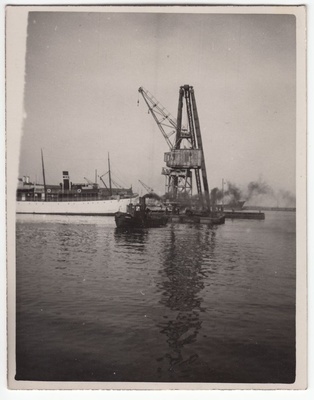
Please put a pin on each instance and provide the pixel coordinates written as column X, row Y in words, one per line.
column 126, row 220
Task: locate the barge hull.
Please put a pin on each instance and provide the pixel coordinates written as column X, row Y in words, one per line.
column 244, row 215
column 191, row 219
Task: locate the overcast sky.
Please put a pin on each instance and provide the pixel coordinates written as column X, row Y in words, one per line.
column 83, row 71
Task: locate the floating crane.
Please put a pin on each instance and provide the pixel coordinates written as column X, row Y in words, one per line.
column 186, row 152
column 177, row 181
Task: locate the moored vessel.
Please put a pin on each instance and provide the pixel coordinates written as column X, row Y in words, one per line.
column 140, row 216
column 71, row 198
column 234, row 205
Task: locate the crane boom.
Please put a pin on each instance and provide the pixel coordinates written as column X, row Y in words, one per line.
column 89, row 181
column 100, row 177
column 149, row 189
column 165, row 121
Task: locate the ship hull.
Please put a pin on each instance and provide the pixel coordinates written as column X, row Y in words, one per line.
column 125, row 220
column 93, row 207
column 234, row 206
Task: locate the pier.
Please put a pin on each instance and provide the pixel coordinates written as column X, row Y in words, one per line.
column 244, row 215
column 198, row 219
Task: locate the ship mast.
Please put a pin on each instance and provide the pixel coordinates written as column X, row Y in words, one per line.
column 110, row 186
column 44, row 177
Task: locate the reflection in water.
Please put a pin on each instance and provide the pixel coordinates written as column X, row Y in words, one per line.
column 73, row 241
column 180, row 303
column 132, row 239
column 63, row 246
column 182, row 282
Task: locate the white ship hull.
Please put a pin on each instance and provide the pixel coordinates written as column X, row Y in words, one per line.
column 93, row 207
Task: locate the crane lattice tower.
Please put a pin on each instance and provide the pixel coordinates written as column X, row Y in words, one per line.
column 186, row 155
column 186, row 158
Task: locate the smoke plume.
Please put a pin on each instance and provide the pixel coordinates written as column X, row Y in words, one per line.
column 231, row 194
column 257, row 193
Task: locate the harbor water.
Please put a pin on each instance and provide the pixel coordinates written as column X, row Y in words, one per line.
column 181, row 303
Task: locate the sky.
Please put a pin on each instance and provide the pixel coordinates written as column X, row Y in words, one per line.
column 34, row 138
column 83, row 71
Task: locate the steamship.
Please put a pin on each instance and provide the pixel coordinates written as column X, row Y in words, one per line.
column 71, row 198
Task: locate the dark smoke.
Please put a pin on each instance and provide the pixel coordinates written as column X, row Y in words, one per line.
column 231, row 194
column 257, row 193
column 256, row 188
column 216, row 194
column 234, row 192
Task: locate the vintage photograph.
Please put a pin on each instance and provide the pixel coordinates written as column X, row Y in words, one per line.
column 156, row 196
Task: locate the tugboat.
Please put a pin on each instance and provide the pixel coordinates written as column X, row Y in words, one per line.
column 140, row 216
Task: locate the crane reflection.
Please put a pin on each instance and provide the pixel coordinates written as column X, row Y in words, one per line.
column 182, row 279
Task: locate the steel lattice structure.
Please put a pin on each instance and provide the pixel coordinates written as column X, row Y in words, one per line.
column 186, row 151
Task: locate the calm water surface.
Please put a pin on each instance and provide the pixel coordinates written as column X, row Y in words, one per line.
column 181, row 303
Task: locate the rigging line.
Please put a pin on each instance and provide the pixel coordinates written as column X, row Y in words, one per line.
column 115, row 172
column 117, row 178
column 78, row 158
column 116, row 184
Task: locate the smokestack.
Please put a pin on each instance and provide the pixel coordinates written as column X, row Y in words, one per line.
column 66, row 180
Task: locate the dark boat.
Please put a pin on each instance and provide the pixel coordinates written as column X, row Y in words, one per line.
column 234, row 205
column 140, row 216
column 199, row 217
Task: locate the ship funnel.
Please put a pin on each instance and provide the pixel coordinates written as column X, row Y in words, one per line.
column 66, row 180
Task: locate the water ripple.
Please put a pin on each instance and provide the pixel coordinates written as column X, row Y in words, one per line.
column 180, row 303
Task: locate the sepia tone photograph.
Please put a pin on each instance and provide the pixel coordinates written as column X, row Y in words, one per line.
column 156, row 197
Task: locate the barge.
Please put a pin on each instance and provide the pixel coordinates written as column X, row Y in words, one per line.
column 244, row 215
